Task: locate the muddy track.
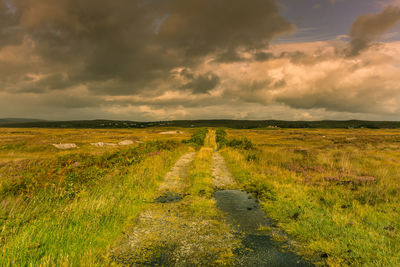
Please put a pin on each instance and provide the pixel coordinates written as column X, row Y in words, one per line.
column 246, row 217
column 170, row 233
column 167, row 233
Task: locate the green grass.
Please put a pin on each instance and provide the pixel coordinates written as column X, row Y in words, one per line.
column 28, row 144
column 55, row 213
column 222, row 141
column 336, row 192
column 198, row 137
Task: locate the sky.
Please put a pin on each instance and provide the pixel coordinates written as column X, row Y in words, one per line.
column 152, row 60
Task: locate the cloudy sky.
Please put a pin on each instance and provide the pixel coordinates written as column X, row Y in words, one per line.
column 200, row 59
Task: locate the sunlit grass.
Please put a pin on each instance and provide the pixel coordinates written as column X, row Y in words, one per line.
column 67, row 209
column 20, row 144
column 335, row 191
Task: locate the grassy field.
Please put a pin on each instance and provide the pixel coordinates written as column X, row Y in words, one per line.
column 337, row 192
column 65, row 208
column 18, row 144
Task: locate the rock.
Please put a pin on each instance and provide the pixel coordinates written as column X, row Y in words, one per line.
column 101, row 144
column 65, row 146
column 126, row 143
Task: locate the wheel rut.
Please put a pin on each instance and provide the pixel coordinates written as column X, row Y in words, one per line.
column 176, row 231
column 174, row 184
column 247, row 219
column 222, row 177
column 173, row 232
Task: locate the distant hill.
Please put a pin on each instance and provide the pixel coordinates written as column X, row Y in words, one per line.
column 237, row 124
column 18, row 120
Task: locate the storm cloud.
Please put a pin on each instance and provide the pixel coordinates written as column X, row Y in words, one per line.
column 202, row 83
column 181, row 59
column 129, row 44
column 368, row 28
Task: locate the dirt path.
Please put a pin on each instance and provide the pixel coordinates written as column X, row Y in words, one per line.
column 174, row 180
column 175, row 231
column 186, row 226
column 222, row 177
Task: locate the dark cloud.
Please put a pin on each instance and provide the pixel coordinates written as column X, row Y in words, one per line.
column 9, row 34
column 200, row 27
column 229, row 56
column 172, row 57
column 129, row 44
column 368, row 28
column 202, row 83
column 3, row 10
column 263, row 56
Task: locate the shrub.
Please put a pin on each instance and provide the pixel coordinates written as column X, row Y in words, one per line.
column 70, row 173
column 198, row 137
column 261, row 190
column 243, row 143
column 220, row 138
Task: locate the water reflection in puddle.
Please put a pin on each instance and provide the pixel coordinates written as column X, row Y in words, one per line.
column 246, row 216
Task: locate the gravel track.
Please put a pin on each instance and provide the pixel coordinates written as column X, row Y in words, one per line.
column 222, row 177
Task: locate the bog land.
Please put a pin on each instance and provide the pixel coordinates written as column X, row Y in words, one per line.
column 183, row 196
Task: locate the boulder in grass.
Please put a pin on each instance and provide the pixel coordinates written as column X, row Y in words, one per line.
column 65, row 146
column 126, row 143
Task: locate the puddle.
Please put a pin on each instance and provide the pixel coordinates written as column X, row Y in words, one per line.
column 168, row 198
column 244, row 214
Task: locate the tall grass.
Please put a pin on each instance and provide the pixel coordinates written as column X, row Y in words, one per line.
column 68, row 211
column 339, row 198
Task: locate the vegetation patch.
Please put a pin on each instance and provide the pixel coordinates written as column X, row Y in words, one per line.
column 66, row 175
column 198, row 137
column 242, row 143
column 67, row 210
column 339, row 200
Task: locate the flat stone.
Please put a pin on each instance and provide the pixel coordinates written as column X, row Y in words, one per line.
column 65, row 146
column 126, row 143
